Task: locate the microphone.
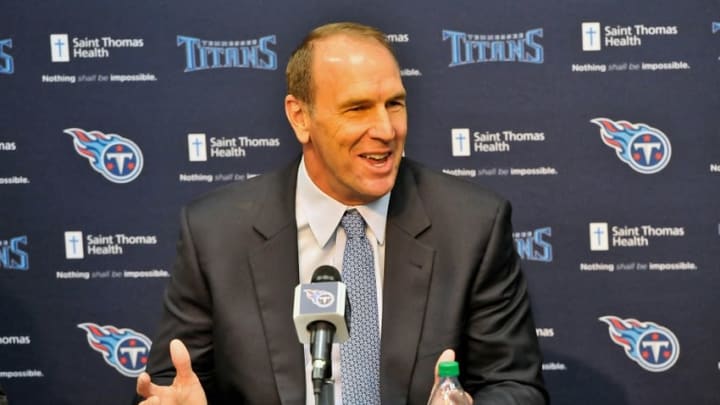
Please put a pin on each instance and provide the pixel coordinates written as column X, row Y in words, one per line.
column 320, row 313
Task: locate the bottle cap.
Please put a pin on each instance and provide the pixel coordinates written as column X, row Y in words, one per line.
column 449, row 369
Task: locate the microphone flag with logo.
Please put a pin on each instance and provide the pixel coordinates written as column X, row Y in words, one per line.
column 324, row 299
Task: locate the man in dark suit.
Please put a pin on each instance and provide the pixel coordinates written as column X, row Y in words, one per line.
column 447, row 272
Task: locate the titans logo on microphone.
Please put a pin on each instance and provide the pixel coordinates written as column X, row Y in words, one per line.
column 653, row 347
column 644, row 148
column 124, row 349
column 320, row 298
column 118, row 159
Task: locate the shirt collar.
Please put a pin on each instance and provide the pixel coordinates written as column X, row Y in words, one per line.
column 323, row 213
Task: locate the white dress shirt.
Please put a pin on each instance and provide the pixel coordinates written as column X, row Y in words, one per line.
column 321, row 241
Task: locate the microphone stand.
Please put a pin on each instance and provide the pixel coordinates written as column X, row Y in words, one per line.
column 322, row 370
column 327, row 395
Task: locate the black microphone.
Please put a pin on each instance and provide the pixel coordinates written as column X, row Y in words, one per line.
column 319, row 312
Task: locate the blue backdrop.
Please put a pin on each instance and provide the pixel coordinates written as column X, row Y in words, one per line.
column 598, row 120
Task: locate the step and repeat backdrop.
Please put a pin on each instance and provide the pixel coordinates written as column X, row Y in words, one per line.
column 600, row 121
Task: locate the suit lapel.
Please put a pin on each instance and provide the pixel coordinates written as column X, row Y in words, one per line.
column 275, row 273
column 408, row 267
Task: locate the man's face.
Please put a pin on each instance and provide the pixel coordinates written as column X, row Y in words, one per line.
column 357, row 124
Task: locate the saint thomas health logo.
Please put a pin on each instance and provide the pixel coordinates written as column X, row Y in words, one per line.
column 644, row 148
column 117, row 158
column 653, row 347
column 124, row 349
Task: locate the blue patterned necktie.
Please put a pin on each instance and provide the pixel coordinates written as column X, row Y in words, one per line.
column 360, row 355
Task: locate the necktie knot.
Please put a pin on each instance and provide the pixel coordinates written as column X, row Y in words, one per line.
column 353, row 224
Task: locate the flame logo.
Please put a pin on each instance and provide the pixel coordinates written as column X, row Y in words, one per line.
column 118, row 159
column 653, row 347
column 320, row 298
column 644, row 148
column 124, row 349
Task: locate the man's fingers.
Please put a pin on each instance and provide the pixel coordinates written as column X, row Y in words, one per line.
column 447, row 355
column 148, row 390
column 144, row 386
column 151, row 401
column 181, row 361
column 185, row 389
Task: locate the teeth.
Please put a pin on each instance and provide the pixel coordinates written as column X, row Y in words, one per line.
column 376, row 157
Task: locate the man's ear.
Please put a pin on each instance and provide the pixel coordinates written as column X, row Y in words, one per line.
column 299, row 117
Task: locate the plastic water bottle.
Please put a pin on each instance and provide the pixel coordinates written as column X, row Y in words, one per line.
column 448, row 390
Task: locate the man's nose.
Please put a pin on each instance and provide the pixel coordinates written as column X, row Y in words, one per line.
column 382, row 127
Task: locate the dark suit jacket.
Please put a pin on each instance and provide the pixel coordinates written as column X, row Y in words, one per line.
column 452, row 280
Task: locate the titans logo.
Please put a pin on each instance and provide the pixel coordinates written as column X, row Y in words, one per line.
column 533, row 245
column 645, row 149
column 468, row 48
column 124, row 349
column 12, row 253
column 653, row 347
column 118, row 159
column 320, row 298
column 6, row 60
column 201, row 54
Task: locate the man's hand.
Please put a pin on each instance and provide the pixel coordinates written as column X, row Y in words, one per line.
column 185, row 389
column 448, row 355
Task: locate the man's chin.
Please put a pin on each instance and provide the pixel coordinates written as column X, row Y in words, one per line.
column 378, row 188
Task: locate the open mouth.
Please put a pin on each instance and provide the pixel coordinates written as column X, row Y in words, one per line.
column 377, row 158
